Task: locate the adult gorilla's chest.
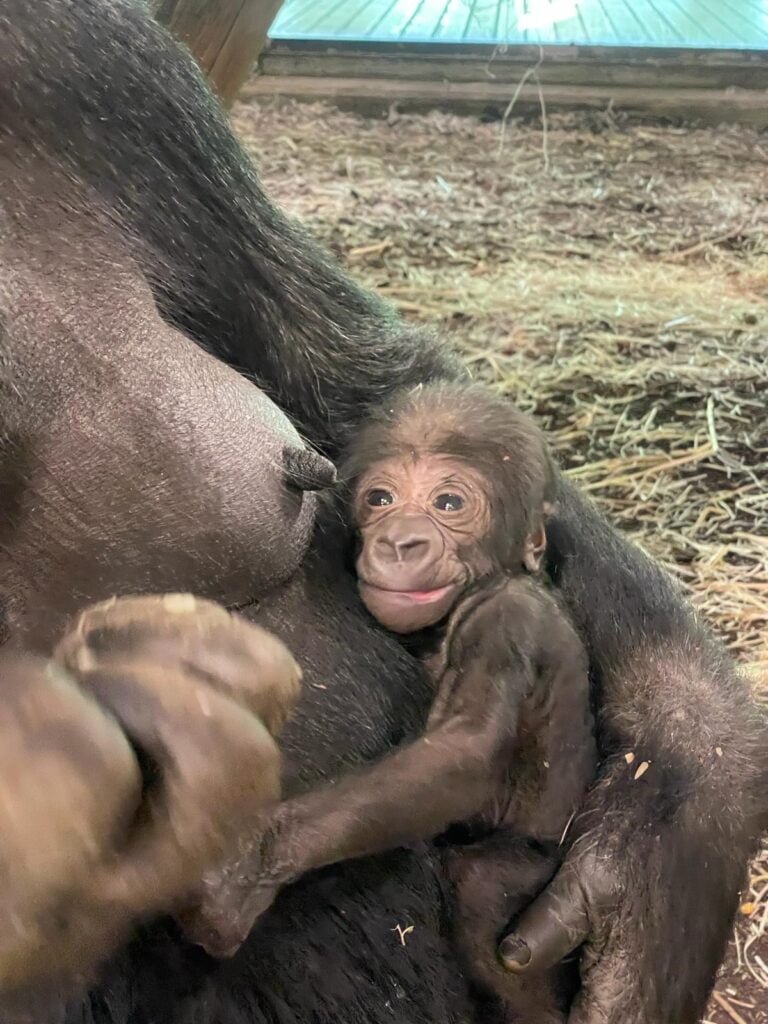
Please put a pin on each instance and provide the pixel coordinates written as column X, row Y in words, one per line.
column 328, row 950
column 361, row 692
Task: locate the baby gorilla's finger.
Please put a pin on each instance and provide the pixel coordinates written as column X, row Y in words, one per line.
column 553, row 926
column 228, row 906
column 197, row 636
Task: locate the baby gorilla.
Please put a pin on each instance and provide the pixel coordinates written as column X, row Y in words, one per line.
column 450, row 488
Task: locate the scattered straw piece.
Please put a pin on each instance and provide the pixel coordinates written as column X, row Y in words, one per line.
column 531, row 72
column 403, row 933
column 729, row 1009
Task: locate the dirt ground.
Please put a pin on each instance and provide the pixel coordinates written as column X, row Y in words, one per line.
column 613, row 277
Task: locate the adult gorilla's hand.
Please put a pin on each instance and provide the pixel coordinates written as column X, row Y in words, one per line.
column 202, row 693
column 89, row 842
column 649, row 848
column 577, row 907
column 69, row 781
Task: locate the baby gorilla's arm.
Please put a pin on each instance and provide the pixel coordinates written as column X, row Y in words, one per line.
column 414, row 793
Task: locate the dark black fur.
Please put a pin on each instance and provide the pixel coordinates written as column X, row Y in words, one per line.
column 667, row 691
column 105, row 93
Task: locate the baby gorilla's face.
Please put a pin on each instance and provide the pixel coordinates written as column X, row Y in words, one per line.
column 421, row 521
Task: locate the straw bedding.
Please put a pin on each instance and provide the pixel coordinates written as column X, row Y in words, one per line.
column 610, row 275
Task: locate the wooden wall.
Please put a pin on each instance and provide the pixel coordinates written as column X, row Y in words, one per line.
column 225, row 36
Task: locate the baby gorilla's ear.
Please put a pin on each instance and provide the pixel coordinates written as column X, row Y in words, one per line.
column 535, row 546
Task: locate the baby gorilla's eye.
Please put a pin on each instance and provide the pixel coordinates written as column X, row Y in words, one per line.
column 448, row 502
column 378, row 498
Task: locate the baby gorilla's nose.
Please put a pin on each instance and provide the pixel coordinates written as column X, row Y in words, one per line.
column 411, row 548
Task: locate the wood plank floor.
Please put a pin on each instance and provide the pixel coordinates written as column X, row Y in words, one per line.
column 715, row 24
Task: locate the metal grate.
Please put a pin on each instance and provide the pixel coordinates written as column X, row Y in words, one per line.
column 715, row 24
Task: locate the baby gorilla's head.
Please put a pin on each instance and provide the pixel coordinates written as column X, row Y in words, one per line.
column 449, row 484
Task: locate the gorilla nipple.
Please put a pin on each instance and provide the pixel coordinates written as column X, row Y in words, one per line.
column 306, row 470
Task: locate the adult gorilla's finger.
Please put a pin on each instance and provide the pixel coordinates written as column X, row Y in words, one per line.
column 217, row 766
column 551, row 927
column 203, row 640
column 611, row 992
column 70, row 784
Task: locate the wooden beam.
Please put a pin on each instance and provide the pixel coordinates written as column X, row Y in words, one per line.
column 616, row 66
column 225, row 36
column 375, row 96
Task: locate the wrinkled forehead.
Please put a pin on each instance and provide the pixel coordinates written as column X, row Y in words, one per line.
column 419, row 469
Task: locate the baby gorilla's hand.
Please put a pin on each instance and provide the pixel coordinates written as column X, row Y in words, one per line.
column 89, row 842
column 232, row 898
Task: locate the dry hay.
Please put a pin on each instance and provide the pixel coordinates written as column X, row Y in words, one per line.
column 621, row 296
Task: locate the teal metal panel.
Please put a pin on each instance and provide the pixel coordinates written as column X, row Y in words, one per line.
column 715, row 24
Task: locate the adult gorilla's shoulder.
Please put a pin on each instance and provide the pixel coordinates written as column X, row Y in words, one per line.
column 125, row 108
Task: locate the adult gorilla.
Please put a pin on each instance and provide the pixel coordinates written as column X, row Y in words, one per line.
column 132, row 460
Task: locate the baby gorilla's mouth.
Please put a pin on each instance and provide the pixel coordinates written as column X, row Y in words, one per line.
column 415, row 594
column 406, row 611
column 419, row 596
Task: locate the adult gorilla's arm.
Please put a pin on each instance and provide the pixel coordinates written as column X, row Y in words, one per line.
column 662, row 844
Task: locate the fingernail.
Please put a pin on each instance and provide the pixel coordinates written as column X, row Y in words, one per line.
column 514, row 954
